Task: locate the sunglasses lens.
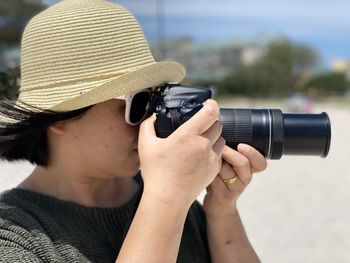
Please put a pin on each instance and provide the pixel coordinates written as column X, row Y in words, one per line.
column 139, row 106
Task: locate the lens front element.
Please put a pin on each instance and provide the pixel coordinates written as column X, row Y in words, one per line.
column 274, row 133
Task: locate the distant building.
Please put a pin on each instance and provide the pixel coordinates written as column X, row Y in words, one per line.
column 249, row 55
column 209, row 62
column 342, row 66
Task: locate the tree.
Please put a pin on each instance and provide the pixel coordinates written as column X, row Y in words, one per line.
column 9, row 84
column 276, row 72
column 14, row 15
column 329, row 83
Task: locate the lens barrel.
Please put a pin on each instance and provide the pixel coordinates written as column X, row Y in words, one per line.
column 274, row 133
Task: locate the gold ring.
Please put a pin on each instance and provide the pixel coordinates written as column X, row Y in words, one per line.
column 231, row 180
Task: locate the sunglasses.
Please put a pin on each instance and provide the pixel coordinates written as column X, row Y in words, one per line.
column 136, row 106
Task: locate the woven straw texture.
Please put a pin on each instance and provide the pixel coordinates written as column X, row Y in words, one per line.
column 81, row 52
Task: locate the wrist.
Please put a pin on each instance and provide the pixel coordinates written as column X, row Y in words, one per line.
column 218, row 218
column 172, row 197
column 165, row 203
column 155, row 232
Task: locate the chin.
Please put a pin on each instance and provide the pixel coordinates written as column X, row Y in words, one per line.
column 128, row 167
column 131, row 170
column 130, row 173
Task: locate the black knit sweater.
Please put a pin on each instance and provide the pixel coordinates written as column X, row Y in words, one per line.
column 40, row 228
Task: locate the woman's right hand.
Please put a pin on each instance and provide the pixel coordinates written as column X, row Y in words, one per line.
column 177, row 168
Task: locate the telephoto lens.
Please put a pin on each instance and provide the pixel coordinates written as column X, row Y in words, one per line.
column 270, row 131
column 274, row 133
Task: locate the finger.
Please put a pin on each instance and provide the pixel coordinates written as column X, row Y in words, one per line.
column 240, row 163
column 214, row 132
column 257, row 160
column 203, row 119
column 219, row 186
column 227, row 172
column 147, row 130
column 219, row 146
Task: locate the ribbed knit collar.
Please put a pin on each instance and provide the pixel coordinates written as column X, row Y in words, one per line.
column 109, row 219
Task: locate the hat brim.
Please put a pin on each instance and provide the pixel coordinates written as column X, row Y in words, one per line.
column 65, row 98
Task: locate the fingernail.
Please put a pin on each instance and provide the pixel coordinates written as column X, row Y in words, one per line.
column 243, row 147
column 205, row 102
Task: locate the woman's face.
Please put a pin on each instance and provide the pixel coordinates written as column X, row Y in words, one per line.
column 104, row 144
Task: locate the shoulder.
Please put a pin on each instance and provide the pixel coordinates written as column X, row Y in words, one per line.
column 23, row 236
column 15, row 234
column 22, row 219
column 16, row 207
column 16, row 216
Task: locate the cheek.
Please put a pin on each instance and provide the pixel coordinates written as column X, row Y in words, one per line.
column 103, row 140
column 117, row 152
column 104, row 133
column 112, row 140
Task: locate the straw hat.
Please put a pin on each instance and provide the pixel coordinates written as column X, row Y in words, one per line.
column 81, row 52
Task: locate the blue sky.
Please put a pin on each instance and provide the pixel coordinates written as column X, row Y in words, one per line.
column 322, row 24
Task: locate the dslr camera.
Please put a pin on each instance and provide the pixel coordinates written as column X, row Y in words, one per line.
column 270, row 131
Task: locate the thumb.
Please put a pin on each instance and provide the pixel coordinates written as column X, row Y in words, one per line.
column 147, row 131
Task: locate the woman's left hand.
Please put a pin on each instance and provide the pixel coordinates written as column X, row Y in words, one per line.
column 221, row 198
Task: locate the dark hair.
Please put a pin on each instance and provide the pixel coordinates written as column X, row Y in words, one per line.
column 25, row 138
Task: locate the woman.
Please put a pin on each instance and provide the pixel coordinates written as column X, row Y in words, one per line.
column 85, row 65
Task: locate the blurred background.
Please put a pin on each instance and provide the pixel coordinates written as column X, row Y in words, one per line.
column 292, row 55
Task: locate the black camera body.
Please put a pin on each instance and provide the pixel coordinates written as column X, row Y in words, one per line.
column 175, row 104
column 270, row 131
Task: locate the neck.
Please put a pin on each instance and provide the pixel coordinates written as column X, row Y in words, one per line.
column 86, row 191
